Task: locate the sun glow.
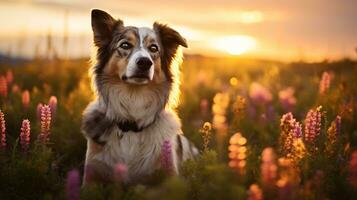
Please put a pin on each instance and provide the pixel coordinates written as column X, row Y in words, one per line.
column 250, row 17
column 235, row 45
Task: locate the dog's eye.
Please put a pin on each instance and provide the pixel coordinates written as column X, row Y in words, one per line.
column 153, row 48
column 126, row 45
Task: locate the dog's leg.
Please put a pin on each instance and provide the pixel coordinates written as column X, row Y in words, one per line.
column 185, row 149
column 96, row 126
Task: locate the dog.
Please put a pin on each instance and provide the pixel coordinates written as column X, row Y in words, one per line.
column 135, row 78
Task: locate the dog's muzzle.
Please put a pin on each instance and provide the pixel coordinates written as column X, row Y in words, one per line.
column 142, row 72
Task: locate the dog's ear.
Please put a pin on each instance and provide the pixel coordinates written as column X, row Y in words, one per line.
column 170, row 40
column 169, row 37
column 103, row 26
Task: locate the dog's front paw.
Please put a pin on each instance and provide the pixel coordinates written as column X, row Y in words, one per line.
column 96, row 126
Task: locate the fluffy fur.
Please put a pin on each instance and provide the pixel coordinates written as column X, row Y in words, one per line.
column 134, row 99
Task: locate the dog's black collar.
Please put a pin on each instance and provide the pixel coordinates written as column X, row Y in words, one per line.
column 126, row 126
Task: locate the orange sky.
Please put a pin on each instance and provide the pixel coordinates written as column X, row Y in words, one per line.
column 280, row 29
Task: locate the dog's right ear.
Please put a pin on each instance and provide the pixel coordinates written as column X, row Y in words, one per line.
column 103, row 26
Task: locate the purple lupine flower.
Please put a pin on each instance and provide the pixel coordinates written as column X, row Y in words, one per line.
column 255, row 193
column 9, row 77
column 3, row 86
column 166, row 157
column 312, row 124
column 15, row 89
column 268, row 167
column 287, row 131
column 259, row 94
column 287, row 99
column 25, row 135
column 325, row 82
column 26, row 99
column 297, row 130
column 237, row 153
column 285, row 120
column 45, row 123
column 73, row 185
column 38, row 111
column 270, row 114
column 2, row 130
column 53, row 105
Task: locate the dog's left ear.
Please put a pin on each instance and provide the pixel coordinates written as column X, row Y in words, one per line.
column 169, row 37
column 170, row 41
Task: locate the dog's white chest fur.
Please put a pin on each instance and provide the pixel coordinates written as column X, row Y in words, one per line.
column 139, row 151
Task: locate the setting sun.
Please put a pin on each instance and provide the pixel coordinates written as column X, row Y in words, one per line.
column 235, row 45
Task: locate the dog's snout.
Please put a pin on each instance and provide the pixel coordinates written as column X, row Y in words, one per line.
column 143, row 63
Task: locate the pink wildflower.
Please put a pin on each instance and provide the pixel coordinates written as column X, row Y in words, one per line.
column 166, row 157
column 45, row 123
column 312, row 124
column 325, row 82
column 2, row 129
column 259, row 94
column 255, row 193
column 290, row 129
column 291, row 138
column 237, row 153
column 271, row 113
column 26, row 99
column 3, row 86
column 268, row 167
column 53, row 105
column 9, row 77
column 120, row 172
column 38, row 111
column 286, row 118
column 15, row 89
column 286, row 138
column 288, row 180
column 73, row 185
column 297, row 130
column 287, row 99
column 25, row 134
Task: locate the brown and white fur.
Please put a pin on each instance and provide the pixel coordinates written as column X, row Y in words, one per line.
column 135, row 79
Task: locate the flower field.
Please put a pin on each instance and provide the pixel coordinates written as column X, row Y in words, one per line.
column 266, row 130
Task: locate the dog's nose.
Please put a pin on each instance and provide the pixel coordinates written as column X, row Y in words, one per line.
column 143, row 63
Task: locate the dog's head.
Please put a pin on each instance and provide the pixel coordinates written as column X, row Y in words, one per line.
column 133, row 55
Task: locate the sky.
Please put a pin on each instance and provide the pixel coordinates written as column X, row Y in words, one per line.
column 280, row 30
